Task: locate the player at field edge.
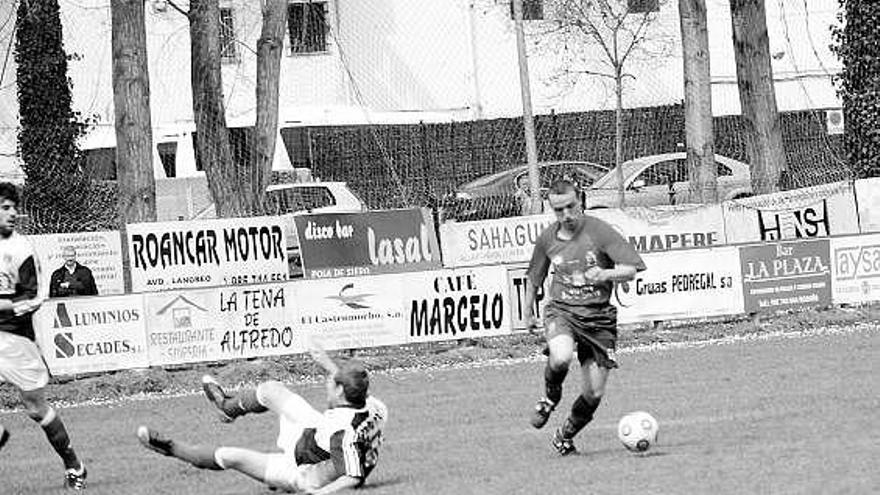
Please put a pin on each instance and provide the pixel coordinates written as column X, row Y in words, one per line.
column 322, row 452
column 588, row 257
column 21, row 363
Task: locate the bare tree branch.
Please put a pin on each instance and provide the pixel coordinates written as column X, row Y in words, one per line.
column 638, row 36
column 177, row 8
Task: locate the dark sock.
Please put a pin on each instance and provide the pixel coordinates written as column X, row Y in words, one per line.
column 242, row 403
column 57, row 435
column 199, row 456
column 553, row 379
column 581, row 413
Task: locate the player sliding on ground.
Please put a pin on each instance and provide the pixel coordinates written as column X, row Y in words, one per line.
column 588, row 256
column 322, row 452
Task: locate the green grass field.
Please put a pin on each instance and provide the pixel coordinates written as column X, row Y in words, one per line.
column 787, row 413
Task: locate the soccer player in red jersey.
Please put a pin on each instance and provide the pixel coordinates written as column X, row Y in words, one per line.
column 322, row 452
column 588, row 256
column 21, row 363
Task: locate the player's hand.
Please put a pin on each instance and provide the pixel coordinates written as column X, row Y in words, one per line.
column 594, row 274
column 316, row 350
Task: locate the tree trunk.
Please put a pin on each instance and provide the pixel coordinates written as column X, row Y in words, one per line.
column 226, row 180
column 528, row 118
column 699, row 133
column 618, row 135
column 756, row 94
column 131, row 102
column 269, row 50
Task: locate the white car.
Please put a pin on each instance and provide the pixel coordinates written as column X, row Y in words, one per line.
column 663, row 180
column 313, row 197
column 188, row 198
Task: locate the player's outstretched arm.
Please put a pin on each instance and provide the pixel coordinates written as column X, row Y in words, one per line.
column 620, row 273
column 316, row 350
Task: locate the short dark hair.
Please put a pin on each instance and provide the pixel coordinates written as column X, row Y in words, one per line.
column 562, row 186
column 355, row 381
column 9, row 191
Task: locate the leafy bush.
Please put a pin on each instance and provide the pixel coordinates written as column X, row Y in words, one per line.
column 56, row 191
column 856, row 44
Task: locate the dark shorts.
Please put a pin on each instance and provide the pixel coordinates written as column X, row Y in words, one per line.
column 594, row 331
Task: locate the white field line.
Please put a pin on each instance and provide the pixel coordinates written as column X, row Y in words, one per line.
column 500, row 362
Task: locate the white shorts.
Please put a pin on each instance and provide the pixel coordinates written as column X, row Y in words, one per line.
column 283, row 473
column 295, row 414
column 21, row 363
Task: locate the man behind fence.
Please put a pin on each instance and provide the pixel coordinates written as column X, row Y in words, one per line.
column 72, row 278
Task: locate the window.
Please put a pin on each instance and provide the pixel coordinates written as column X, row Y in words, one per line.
column 295, row 199
column 643, row 6
column 723, row 170
column 168, row 157
column 533, row 10
column 228, row 48
column 664, row 173
column 296, row 141
column 307, row 27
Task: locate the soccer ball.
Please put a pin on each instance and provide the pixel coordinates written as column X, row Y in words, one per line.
column 637, row 431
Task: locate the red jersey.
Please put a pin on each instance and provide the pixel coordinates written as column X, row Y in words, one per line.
column 594, row 243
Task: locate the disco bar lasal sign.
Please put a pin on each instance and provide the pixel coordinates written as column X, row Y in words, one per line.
column 351, row 244
column 234, row 251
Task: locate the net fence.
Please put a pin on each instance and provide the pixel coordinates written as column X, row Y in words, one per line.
column 407, row 137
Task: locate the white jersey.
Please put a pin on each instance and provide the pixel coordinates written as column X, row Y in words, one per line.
column 347, row 438
column 19, row 282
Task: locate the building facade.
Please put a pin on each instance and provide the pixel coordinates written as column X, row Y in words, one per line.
column 402, row 61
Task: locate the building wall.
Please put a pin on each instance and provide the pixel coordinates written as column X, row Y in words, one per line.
column 432, row 60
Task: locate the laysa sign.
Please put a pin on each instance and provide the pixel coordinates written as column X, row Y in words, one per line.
column 230, row 251
column 352, row 244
